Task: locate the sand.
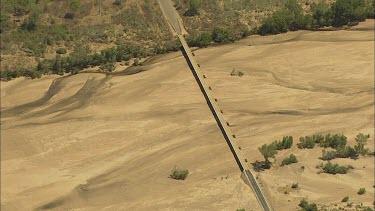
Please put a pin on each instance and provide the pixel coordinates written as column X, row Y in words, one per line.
column 108, row 142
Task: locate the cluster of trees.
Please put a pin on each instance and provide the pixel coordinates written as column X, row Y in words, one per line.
column 337, row 142
column 292, row 17
column 331, row 168
column 82, row 58
column 270, row 151
column 218, row 35
column 343, row 151
column 334, row 141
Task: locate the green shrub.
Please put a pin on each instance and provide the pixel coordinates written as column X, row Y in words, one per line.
column 108, row 67
column 345, row 199
column 136, row 62
column 308, row 207
column 117, row 2
column 345, row 11
column 179, row 174
column 202, row 40
column 286, row 143
column 361, row 140
column 330, row 168
column 322, row 14
column 240, row 209
column 335, row 141
column 328, row 155
column 220, row 35
column 61, row 51
column 361, row 191
column 194, row 6
column 295, row 185
column 346, row 152
column 289, row 160
column 306, row 142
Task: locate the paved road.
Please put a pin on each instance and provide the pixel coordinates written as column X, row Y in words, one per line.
column 171, row 14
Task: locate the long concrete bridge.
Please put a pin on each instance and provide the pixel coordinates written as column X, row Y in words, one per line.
column 223, row 125
column 172, row 17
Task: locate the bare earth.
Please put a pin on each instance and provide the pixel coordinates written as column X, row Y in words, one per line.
column 108, row 142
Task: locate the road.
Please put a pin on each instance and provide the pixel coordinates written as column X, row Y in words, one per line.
column 172, row 16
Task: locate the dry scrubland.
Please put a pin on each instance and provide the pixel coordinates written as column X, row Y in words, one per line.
column 108, row 142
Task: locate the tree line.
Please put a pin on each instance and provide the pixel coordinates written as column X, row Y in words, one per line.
column 292, row 16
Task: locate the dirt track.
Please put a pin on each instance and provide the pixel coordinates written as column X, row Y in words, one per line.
column 93, row 141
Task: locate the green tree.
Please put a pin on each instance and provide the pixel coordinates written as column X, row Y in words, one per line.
column 268, row 151
column 75, row 5
column 345, row 11
column 57, row 68
column 194, row 6
column 361, row 140
column 289, row 160
column 220, row 35
column 322, row 14
column 202, row 40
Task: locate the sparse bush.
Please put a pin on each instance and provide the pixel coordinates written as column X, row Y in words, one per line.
column 289, row 160
column 334, row 141
column 236, row 73
column 306, row 142
column 361, row 191
column 69, row 15
column 61, row 51
column 361, row 140
column 136, row 62
column 286, row 143
column 308, row 207
column 345, row 199
column 330, row 168
column 179, row 174
column 328, row 155
column 295, row 185
column 346, row 152
column 240, row 209
column 117, row 2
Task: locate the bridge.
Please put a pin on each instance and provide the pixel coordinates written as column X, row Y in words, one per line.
column 172, row 17
column 223, row 125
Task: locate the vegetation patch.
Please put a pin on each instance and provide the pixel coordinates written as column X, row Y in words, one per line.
column 307, row 207
column 289, row 160
column 331, row 168
column 179, row 174
column 286, row 143
column 361, row 191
